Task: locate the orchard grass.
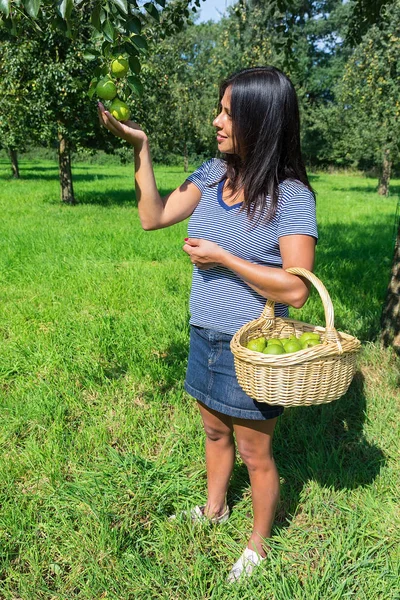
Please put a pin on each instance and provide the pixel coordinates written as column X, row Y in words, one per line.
column 100, row 443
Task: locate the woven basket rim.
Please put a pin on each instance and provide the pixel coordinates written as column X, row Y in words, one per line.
column 327, row 349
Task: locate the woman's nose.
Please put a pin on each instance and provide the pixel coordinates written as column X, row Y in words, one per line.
column 216, row 121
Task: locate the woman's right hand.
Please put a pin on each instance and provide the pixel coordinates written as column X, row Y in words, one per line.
column 127, row 130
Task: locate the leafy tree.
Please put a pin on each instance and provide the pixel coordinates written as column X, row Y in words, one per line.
column 117, row 24
column 14, row 101
column 363, row 14
column 370, row 97
column 54, row 107
column 370, row 110
column 180, row 79
column 304, row 39
column 65, row 35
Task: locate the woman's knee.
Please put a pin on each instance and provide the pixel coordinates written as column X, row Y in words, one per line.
column 216, row 434
column 217, row 427
column 254, row 459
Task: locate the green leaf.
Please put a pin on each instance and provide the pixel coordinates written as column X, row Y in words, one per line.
column 106, row 49
column 90, row 54
column 32, row 7
column 95, row 17
column 130, row 49
column 101, row 71
column 151, row 9
column 133, row 25
column 134, row 64
column 108, row 31
column 161, row 3
column 65, row 8
column 59, row 23
column 92, row 88
column 135, row 84
column 122, row 5
column 5, row 7
column 139, row 42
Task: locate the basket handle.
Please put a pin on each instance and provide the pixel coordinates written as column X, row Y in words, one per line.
column 331, row 333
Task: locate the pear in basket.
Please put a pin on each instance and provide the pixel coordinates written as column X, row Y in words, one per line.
column 274, row 349
column 292, row 346
column 257, row 345
column 275, row 341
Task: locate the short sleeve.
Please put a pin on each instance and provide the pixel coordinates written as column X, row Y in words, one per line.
column 199, row 177
column 298, row 212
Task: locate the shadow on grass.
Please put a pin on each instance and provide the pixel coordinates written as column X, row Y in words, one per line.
column 322, row 443
column 366, row 189
column 108, row 198
column 354, row 263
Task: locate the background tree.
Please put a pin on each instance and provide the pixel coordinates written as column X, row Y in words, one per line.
column 54, row 108
column 62, row 35
column 14, row 100
column 370, row 97
column 180, row 83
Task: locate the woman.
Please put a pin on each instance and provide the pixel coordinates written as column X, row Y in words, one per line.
column 252, row 216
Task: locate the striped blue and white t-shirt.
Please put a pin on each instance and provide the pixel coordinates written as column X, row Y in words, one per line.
column 219, row 299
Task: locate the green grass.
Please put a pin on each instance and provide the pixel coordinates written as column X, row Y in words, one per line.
column 100, row 443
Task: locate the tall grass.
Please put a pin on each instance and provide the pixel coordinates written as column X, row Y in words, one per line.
column 100, row 443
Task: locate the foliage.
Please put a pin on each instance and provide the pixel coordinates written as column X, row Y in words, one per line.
column 53, row 74
column 15, row 96
column 117, row 26
column 181, row 77
column 364, row 14
column 369, row 93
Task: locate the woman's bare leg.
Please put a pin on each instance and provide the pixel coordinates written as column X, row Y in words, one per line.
column 220, row 458
column 254, row 441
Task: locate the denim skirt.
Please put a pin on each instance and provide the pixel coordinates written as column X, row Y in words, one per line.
column 211, row 378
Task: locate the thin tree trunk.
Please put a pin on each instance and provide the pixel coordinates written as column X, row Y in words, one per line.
column 14, row 162
column 64, row 162
column 185, row 158
column 390, row 320
column 384, row 180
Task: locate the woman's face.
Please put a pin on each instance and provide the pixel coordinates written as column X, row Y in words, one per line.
column 223, row 123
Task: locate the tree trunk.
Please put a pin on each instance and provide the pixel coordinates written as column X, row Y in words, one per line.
column 64, row 162
column 185, row 158
column 14, row 162
column 383, row 187
column 390, row 320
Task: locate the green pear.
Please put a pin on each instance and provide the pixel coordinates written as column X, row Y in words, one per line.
column 274, row 349
column 257, row 345
column 119, row 67
column 120, row 110
column 106, row 89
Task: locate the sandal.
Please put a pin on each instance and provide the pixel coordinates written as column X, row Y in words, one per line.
column 245, row 566
column 197, row 515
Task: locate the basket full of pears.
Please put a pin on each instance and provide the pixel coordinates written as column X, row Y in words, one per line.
column 286, row 362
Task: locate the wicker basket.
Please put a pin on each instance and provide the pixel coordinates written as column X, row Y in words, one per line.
column 315, row 375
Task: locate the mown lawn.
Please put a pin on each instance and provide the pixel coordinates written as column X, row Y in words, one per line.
column 100, row 443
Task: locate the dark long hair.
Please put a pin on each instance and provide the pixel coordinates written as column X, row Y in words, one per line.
column 266, row 133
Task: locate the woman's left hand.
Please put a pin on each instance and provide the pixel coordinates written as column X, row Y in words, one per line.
column 202, row 253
